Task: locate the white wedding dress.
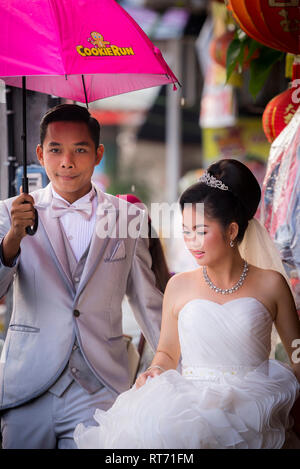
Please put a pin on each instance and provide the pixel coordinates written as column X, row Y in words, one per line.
column 229, row 395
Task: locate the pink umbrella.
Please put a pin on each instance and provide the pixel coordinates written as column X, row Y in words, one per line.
column 83, row 50
column 78, row 49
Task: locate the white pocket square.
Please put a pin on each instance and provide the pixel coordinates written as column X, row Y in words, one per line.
column 118, row 252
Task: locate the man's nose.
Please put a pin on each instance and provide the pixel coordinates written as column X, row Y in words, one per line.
column 67, row 160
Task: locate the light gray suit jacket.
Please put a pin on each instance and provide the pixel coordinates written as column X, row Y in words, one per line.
column 48, row 312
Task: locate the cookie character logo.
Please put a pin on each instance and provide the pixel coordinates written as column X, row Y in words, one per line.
column 97, row 40
column 102, row 47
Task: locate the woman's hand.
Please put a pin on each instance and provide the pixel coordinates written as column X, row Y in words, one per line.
column 168, row 350
column 152, row 371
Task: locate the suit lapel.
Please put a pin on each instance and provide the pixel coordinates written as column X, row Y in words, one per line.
column 98, row 244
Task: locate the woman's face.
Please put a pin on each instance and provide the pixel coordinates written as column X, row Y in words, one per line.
column 204, row 236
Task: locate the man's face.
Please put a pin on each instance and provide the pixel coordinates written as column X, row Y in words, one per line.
column 69, row 157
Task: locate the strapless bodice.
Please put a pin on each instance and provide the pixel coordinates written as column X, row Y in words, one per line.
column 233, row 337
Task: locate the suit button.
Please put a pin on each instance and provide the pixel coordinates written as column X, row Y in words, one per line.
column 76, row 313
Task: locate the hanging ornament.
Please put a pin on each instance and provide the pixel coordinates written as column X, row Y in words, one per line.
column 274, row 23
column 218, row 47
column 281, row 109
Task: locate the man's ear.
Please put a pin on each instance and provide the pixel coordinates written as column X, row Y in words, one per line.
column 39, row 154
column 99, row 153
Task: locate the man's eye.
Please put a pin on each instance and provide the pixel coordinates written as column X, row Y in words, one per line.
column 54, row 150
column 80, row 150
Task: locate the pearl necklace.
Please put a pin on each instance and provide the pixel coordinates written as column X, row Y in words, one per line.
column 226, row 291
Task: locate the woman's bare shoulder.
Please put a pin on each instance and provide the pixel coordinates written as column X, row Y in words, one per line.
column 272, row 277
column 272, row 283
column 181, row 288
column 182, row 278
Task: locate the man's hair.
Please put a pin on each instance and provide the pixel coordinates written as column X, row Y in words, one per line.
column 70, row 113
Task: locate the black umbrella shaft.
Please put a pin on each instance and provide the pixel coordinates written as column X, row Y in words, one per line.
column 85, row 93
column 24, row 137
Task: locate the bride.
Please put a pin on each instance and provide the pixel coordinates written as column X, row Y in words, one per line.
column 218, row 319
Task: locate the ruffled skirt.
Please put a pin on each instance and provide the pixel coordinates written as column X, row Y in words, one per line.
column 173, row 412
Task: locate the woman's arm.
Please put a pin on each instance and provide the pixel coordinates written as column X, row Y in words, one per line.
column 287, row 322
column 168, row 351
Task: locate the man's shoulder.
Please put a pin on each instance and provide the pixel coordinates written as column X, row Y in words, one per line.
column 121, row 204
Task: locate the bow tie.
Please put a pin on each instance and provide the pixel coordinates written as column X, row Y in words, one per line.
column 59, row 207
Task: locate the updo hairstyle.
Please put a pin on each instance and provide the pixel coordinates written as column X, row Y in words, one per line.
column 238, row 204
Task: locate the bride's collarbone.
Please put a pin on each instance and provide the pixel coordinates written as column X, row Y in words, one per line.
column 255, row 286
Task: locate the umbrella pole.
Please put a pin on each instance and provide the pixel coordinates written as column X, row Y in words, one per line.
column 29, row 230
column 85, row 93
column 24, row 137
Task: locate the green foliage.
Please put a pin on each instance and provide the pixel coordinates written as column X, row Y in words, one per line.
column 261, row 67
column 241, row 50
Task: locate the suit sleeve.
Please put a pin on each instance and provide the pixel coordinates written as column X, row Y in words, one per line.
column 6, row 273
column 143, row 296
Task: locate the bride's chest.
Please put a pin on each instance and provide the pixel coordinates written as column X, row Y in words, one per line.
column 242, row 317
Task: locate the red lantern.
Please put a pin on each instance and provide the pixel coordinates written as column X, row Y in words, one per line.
column 218, row 47
column 275, row 23
column 280, row 110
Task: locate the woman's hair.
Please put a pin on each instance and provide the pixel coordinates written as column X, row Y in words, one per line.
column 237, row 204
column 159, row 263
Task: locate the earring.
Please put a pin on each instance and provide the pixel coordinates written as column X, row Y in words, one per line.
column 231, row 243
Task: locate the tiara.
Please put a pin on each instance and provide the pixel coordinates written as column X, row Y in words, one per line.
column 211, row 181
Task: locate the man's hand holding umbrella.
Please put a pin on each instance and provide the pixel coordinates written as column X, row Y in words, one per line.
column 22, row 216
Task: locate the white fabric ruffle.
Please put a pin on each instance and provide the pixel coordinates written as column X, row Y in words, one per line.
column 171, row 411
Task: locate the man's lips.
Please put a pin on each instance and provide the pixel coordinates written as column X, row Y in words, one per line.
column 67, row 176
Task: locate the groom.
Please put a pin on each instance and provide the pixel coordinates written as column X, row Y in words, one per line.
column 64, row 353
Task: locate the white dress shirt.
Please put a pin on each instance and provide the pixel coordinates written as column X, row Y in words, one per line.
column 77, row 229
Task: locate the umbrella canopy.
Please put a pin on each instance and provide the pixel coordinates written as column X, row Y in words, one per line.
column 83, row 50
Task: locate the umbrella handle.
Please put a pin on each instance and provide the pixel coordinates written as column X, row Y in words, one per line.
column 32, row 230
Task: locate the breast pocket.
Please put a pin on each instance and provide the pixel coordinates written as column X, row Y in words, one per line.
column 23, row 328
column 117, row 252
